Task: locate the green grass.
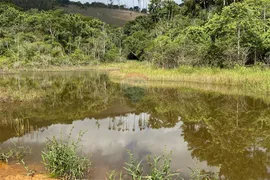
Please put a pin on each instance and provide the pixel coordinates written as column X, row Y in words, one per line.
column 253, row 79
column 250, row 81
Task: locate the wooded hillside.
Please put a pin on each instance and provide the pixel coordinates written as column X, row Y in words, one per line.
column 202, row 33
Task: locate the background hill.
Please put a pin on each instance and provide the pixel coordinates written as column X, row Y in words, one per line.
column 116, row 17
column 109, row 13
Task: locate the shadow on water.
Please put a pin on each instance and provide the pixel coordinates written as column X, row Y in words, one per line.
column 228, row 134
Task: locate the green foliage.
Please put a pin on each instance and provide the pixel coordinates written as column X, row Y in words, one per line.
column 134, row 168
column 201, row 33
column 38, row 4
column 136, row 43
column 160, row 168
column 61, row 160
column 222, row 33
column 163, row 9
column 43, row 38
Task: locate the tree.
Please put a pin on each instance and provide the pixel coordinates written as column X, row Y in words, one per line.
column 154, row 9
column 242, row 26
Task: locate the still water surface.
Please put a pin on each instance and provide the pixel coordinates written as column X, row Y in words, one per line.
column 209, row 131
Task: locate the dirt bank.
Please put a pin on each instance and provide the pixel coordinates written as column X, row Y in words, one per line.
column 17, row 172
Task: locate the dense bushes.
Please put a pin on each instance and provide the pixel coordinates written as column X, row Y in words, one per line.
column 40, row 38
column 199, row 33
column 210, row 35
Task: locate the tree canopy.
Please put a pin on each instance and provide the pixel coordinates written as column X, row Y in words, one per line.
column 208, row 33
column 197, row 33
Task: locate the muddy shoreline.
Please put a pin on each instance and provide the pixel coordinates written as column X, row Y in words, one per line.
column 16, row 171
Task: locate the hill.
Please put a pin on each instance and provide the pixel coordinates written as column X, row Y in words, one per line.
column 116, row 17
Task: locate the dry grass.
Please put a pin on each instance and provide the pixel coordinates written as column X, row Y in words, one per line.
column 111, row 16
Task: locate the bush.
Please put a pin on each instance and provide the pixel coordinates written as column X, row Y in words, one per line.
column 112, row 55
column 62, row 161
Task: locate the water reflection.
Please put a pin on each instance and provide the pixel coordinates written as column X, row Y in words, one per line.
column 228, row 134
column 108, row 147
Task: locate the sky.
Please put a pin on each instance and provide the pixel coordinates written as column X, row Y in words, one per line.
column 129, row 3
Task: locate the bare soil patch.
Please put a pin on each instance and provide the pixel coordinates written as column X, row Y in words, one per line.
column 17, row 172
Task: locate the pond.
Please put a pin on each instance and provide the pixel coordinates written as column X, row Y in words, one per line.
column 205, row 130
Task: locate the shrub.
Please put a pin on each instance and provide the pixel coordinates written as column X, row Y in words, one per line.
column 112, row 55
column 62, row 161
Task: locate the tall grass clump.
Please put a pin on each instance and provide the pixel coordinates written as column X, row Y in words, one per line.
column 61, row 158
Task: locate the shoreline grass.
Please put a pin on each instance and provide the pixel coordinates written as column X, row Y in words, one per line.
column 256, row 79
column 251, row 81
column 210, row 75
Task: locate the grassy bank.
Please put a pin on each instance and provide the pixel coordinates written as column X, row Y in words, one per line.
column 254, row 79
column 251, row 81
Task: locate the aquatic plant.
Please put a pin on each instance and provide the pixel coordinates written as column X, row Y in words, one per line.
column 156, row 168
column 16, row 153
column 61, row 159
column 113, row 175
column 160, row 168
